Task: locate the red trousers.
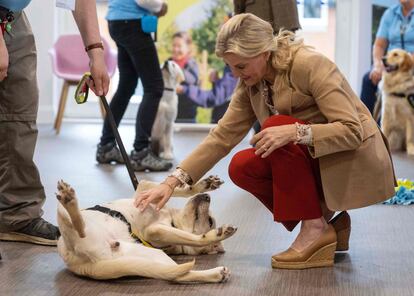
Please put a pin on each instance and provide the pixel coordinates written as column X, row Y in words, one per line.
column 287, row 182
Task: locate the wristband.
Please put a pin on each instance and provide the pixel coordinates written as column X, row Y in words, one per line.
column 182, row 176
column 94, row 45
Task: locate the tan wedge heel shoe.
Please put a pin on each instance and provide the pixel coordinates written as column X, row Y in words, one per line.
column 342, row 225
column 320, row 253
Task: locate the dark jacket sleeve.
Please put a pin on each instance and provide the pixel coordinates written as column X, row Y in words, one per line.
column 220, row 93
column 239, row 6
column 191, row 73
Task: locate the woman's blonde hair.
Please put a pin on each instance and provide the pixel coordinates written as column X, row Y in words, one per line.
column 248, row 36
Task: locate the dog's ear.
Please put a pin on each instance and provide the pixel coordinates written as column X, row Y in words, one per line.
column 165, row 66
column 407, row 64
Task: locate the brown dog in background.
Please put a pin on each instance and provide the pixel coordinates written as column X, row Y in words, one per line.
column 397, row 115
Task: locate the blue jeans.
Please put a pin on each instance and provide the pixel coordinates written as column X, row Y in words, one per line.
column 369, row 92
column 137, row 59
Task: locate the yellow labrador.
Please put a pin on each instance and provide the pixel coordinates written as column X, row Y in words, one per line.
column 116, row 239
column 397, row 115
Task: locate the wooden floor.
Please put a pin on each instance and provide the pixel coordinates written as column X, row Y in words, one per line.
column 380, row 260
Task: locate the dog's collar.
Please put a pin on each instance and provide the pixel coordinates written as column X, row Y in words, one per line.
column 400, row 95
column 409, row 97
column 121, row 217
column 169, row 89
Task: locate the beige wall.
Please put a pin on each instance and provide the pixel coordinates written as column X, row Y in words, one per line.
column 42, row 16
column 323, row 42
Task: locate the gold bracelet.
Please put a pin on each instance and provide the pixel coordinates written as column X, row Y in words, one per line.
column 169, row 185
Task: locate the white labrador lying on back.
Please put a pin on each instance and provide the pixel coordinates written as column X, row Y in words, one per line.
column 99, row 242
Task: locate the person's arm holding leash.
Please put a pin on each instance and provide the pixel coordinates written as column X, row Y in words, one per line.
column 87, row 21
column 4, row 58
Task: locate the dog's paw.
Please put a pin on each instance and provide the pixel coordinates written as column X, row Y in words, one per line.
column 225, row 274
column 226, row 231
column 211, row 183
column 62, row 185
column 220, row 274
column 167, row 155
column 410, row 149
column 66, row 193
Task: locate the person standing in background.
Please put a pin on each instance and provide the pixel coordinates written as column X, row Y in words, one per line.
column 21, row 191
column 137, row 59
column 396, row 30
column 281, row 14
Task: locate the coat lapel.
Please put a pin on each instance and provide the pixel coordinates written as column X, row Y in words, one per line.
column 258, row 104
column 282, row 97
column 282, row 100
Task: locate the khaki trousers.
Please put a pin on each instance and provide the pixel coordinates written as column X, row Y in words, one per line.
column 21, row 192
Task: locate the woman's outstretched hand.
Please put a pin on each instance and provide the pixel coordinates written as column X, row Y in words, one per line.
column 273, row 138
column 159, row 195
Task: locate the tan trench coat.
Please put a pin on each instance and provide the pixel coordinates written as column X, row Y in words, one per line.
column 355, row 166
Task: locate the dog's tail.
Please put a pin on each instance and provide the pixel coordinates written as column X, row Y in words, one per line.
column 132, row 266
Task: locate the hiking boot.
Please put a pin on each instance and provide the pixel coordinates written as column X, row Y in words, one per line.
column 145, row 159
column 108, row 153
column 38, row 231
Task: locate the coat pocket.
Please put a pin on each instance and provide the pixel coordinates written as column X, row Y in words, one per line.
column 370, row 128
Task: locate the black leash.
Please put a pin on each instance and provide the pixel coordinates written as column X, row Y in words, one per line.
column 81, row 96
column 119, row 141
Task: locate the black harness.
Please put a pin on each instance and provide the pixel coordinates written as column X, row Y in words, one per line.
column 121, row 217
column 409, row 97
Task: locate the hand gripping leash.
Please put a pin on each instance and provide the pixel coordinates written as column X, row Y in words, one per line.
column 81, row 96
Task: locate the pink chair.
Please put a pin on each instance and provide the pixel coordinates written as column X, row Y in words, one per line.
column 70, row 62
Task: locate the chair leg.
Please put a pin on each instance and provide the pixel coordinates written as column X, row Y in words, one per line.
column 62, row 104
